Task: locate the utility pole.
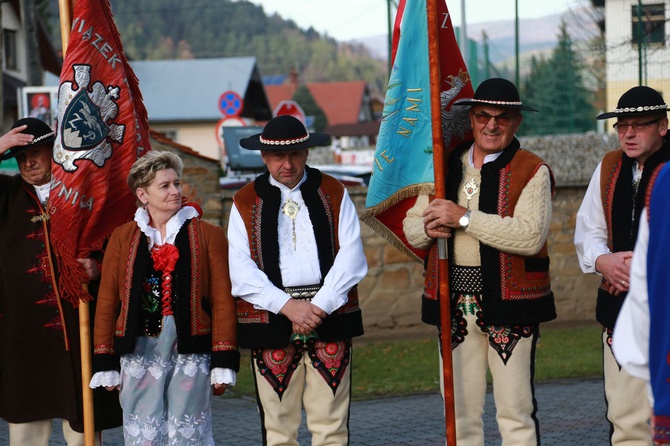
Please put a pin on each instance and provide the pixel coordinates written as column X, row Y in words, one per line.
column 390, row 36
column 487, row 59
column 639, row 42
column 28, row 12
column 516, row 41
column 464, row 34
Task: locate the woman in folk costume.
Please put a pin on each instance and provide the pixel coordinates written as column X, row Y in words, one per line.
column 165, row 315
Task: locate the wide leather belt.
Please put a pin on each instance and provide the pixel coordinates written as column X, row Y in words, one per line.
column 302, row 292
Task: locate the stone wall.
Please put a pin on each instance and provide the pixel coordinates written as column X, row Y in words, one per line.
column 390, row 294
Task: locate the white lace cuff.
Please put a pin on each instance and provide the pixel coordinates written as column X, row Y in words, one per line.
column 110, row 378
column 223, row 376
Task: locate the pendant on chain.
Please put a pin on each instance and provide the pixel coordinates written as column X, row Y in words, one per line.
column 291, row 209
column 470, row 188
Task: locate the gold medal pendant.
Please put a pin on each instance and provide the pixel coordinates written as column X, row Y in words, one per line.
column 291, row 209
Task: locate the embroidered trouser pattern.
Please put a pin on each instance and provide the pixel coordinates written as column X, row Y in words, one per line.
column 311, row 373
column 509, row 353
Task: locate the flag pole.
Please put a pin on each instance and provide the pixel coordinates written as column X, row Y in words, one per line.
column 65, row 12
column 439, row 172
column 86, row 371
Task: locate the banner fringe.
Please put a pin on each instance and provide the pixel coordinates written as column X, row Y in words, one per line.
column 369, row 215
column 71, row 277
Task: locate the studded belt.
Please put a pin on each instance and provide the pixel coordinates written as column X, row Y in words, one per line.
column 466, row 279
column 302, row 292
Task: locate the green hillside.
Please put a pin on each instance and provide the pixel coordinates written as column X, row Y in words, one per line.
column 178, row 29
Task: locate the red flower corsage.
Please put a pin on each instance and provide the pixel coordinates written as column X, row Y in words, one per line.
column 165, row 259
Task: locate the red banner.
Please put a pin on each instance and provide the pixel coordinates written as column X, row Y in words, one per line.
column 102, row 129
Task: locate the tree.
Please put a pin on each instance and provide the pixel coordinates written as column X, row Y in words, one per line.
column 556, row 87
column 306, row 101
column 169, row 29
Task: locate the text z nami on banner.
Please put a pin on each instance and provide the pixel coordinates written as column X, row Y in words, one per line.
column 403, row 166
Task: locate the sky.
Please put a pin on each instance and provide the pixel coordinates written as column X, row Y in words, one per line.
column 351, row 19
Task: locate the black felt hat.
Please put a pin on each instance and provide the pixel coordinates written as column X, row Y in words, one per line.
column 284, row 132
column 498, row 92
column 637, row 101
column 39, row 129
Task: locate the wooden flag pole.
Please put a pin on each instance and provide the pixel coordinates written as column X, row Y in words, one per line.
column 65, row 8
column 86, row 371
column 443, row 266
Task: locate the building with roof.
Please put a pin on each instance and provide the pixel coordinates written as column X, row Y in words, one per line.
column 17, row 55
column 636, row 37
column 182, row 97
column 348, row 106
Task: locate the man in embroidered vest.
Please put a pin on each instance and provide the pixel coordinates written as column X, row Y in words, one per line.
column 641, row 338
column 296, row 257
column 40, row 368
column 605, row 233
column 496, row 219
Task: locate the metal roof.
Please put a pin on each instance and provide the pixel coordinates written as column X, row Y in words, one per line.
column 189, row 89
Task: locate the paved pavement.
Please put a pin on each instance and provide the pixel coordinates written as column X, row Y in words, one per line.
column 571, row 412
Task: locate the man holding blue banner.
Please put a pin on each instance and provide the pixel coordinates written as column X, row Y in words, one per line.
column 496, row 218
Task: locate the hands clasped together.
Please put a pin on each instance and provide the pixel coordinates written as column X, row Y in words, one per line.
column 615, row 268
column 304, row 315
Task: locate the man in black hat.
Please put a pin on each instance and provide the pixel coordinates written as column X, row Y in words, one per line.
column 296, row 256
column 605, row 234
column 40, row 371
column 496, row 218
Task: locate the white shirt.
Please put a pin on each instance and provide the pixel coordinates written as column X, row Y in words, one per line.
column 631, row 332
column 42, row 192
column 591, row 226
column 299, row 266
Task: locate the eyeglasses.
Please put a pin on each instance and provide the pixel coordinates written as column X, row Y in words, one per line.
column 501, row 119
column 637, row 127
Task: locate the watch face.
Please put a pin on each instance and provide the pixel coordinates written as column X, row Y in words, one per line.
column 464, row 220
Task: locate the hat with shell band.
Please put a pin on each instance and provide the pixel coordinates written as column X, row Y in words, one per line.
column 284, row 132
column 497, row 92
column 39, row 129
column 640, row 100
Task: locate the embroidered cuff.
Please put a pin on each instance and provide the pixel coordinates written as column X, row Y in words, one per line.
column 110, row 378
column 224, row 376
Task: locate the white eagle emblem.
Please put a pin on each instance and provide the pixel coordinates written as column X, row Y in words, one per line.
column 83, row 115
column 455, row 121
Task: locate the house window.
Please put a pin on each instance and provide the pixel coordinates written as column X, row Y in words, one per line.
column 648, row 23
column 10, row 50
